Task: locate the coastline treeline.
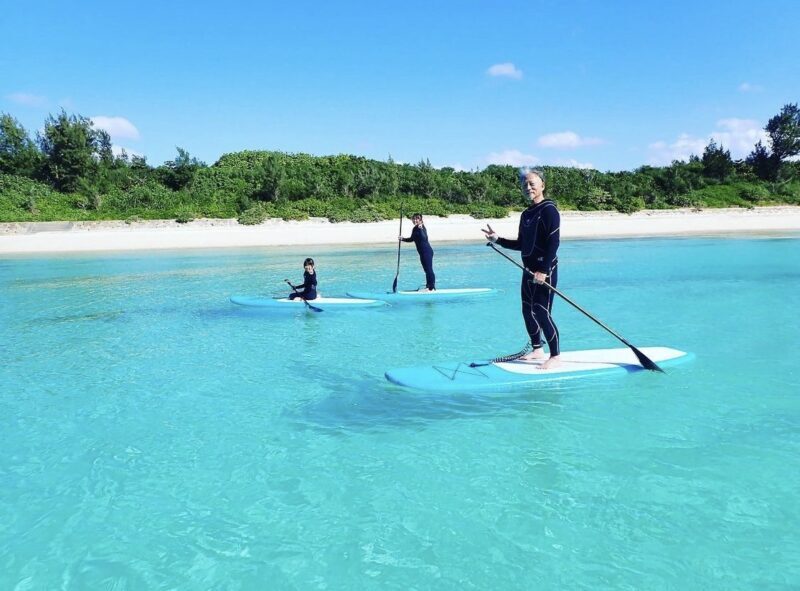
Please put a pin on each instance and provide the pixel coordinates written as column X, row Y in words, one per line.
column 70, row 172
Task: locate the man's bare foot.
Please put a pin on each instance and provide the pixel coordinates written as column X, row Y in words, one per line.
column 533, row 355
column 551, row 363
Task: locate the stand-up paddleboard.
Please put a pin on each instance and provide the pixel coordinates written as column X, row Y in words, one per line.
column 484, row 375
column 437, row 295
column 297, row 304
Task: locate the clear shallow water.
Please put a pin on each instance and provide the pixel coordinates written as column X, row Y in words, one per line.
column 157, row 437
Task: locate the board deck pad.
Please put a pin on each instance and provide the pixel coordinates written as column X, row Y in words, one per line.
column 425, row 296
column 462, row 376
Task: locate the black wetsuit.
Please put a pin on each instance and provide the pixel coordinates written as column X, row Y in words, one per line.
column 538, row 240
column 419, row 236
column 309, row 291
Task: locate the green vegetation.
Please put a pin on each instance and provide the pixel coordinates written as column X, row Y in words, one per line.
column 71, row 173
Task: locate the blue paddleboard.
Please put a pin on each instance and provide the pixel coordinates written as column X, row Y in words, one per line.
column 297, row 304
column 461, row 377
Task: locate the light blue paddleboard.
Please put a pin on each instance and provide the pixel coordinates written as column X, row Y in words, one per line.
column 297, row 303
column 461, row 377
column 437, row 295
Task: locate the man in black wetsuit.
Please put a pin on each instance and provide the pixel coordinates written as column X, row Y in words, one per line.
column 419, row 236
column 538, row 240
column 309, row 282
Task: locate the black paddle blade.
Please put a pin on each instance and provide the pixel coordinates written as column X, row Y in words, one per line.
column 394, row 285
column 314, row 308
column 646, row 362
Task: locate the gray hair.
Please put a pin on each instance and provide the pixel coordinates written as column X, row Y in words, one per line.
column 525, row 171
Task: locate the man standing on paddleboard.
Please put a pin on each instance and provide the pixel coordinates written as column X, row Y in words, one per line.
column 538, row 240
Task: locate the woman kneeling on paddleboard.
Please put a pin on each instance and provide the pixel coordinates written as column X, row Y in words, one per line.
column 309, row 283
column 538, row 240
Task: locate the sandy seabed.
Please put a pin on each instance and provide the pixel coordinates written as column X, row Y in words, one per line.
column 64, row 237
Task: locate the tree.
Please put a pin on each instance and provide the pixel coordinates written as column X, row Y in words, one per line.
column 764, row 164
column 717, row 162
column 104, row 151
column 177, row 174
column 784, row 132
column 269, row 176
column 72, row 148
column 391, row 180
column 425, row 184
column 18, row 153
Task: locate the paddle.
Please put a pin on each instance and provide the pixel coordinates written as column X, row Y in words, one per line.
column 646, row 362
column 399, row 244
column 312, row 308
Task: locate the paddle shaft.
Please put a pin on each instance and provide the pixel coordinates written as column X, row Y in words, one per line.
column 646, row 362
column 399, row 244
column 305, row 301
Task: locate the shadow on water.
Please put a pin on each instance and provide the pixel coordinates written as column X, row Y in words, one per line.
column 368, row 403
column 110, row 316
column 272, row 313
column 243, row 312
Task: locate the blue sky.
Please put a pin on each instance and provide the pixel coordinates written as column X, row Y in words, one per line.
column 611, row 85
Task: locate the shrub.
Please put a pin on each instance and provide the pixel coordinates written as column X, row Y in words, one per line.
column 754, row 193
column 366, row 214
column 184, row 216
column 253, row 216
column 485, row 211
column 629, row 204
column 290, row 212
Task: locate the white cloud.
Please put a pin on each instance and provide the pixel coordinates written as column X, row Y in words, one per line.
column 662, row 153
column 739, row 136
column 27, row 99
column 117, row 127
column 506, row 70
column 747, row 87
column 512, row 158
column 563, row 140
column 456, row 167
column 572, row 163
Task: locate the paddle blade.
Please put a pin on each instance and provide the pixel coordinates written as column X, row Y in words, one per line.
column 394, row 285
column 646, row 362
column 314, row 308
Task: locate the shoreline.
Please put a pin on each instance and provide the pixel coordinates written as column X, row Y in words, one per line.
column 76, row 237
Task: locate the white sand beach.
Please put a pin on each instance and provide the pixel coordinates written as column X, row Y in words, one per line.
column 65, row 237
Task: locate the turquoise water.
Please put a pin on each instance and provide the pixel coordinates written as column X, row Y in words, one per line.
column 157, row 437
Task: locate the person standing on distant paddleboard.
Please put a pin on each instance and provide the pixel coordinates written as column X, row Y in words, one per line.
column 309, row 283
column 419, row 236
column 538, row 240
